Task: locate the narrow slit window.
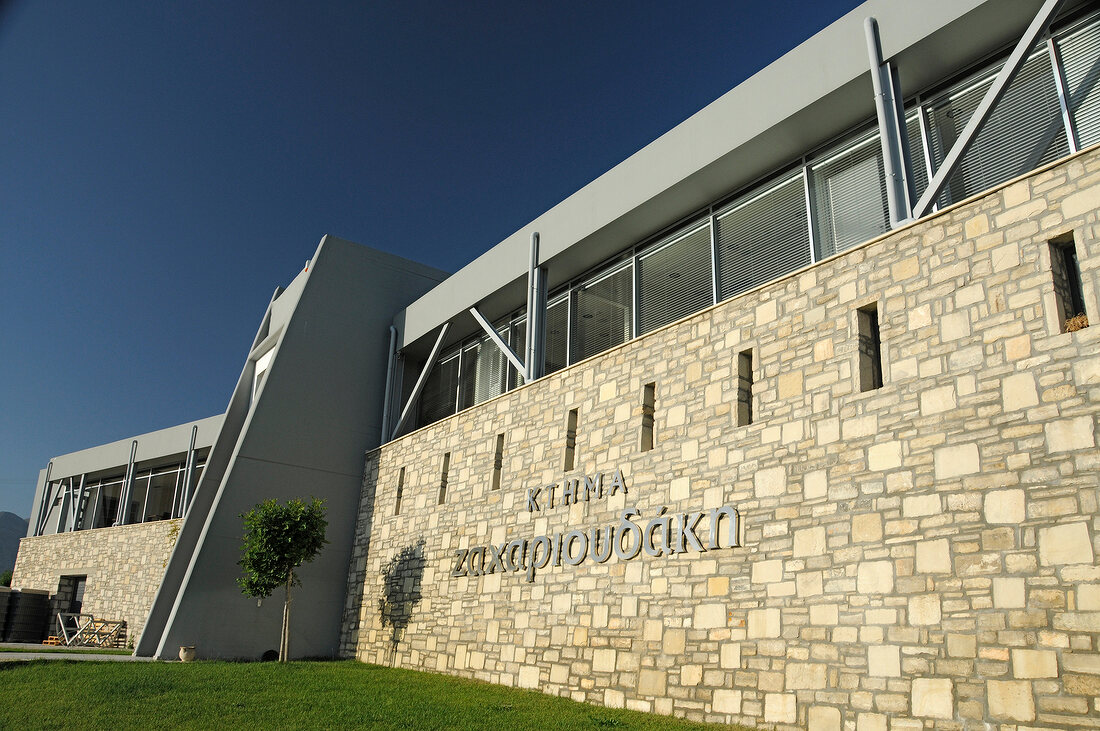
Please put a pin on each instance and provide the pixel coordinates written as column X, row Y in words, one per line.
column 400, row 490
column 443, row 478
column 1069, row 293
column 649, row 398
column 498, row 461
column 570, row 461
column 870, row 348
column 744, row 387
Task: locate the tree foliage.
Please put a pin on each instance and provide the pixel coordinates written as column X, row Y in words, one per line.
column 5, row 578
column 277, row 540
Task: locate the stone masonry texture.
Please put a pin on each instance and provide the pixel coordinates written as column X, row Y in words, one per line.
column 921, row 555
column 124, row 566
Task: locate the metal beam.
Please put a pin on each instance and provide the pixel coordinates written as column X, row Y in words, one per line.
column 536, row 314
column 993, row 95
column 497, row 340
column 421, row 380
column 387, row 398
column 123, row 514
column 43, row 511
column 189, row 468
column 891, row 127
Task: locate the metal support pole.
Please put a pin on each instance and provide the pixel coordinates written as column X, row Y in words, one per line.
column 536, row 315
column 432, row 357
column 387, row 399
column 185, row 500
column 77, row 504
column 43, row 511
column 890, row 127
column 993, row 95
column 123, row 515
column 497, row 340
column 1063, row 94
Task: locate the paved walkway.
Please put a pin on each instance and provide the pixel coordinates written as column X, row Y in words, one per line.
column 21, row 652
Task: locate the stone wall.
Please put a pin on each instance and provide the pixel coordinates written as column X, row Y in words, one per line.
column 124, row 566
column 920, row 554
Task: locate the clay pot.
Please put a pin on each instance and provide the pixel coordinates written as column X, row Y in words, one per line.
column 187, row 653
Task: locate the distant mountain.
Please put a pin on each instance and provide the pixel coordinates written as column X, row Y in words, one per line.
column 12, row 528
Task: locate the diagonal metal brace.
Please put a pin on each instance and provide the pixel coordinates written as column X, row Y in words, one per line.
column 499, row 341
column 993, row 95
column 428, row 365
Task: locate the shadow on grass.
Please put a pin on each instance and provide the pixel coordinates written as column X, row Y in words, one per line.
column 402, row 577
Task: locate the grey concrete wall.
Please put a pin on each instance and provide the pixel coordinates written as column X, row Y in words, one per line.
column 318, row 409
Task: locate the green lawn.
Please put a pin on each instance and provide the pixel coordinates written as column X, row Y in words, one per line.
column 59, row 694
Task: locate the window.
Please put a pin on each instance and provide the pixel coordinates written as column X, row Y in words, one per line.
column 443, row 478
column 569, row 463
column 674, row 278
column 498, row 462
column 870, row 346
column 762, row 236
column 603, row 313
column 649, row 397
column 849, row 194
column 1069, row 295
column 744, row 388
column 400, row 491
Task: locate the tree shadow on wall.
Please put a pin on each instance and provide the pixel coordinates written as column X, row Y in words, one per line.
column 401, row 580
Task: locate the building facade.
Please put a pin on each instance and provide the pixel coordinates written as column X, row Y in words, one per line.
column 789, row 419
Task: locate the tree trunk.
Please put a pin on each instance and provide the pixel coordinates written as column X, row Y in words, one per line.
column 284, row 637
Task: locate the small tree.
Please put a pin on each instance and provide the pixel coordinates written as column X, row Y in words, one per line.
column 277, row 540
column 5, row 578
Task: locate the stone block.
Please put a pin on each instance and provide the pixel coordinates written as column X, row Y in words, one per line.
column 528, row 676
column 805, row 675
column 1065, row 544
column 770, row 482
column 938, row 400
column 1018, row 392
column 884, row 661
column 809, row 542
column 727, row 701
column 866, row 527
column 729, row 655
column 674, row 642
column 919, row 506
column 885, row 456
column 1005, row 506
column 875, row 577
column 690, row 675
column 603, row 660
column 790, row 384
column 765, row 572
column 1069, row 435
column 1008, row 592
column 1034, row 663
column 956, row 461
column 652, row 682
column 764, row 623
column 824, row 614
column 924, row 610
column 933, row 698
column 709, row 616
column 1081, row 202
column 1088, row 597
column 780, row 708
column 871, row 722
column 824, row 718
column 815, row 484
column 934, row 557
column 1010, row 700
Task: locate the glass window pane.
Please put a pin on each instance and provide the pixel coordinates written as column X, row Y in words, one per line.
column 674, row 278
column 849, row 194
column 762, row 236
column 437, row 400
column 557, row 336
column 603, row 311
column 1081, row 64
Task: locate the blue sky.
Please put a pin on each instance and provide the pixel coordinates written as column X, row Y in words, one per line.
column 164, row 166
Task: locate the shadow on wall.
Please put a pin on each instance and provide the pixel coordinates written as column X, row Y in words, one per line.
column 402, row 577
